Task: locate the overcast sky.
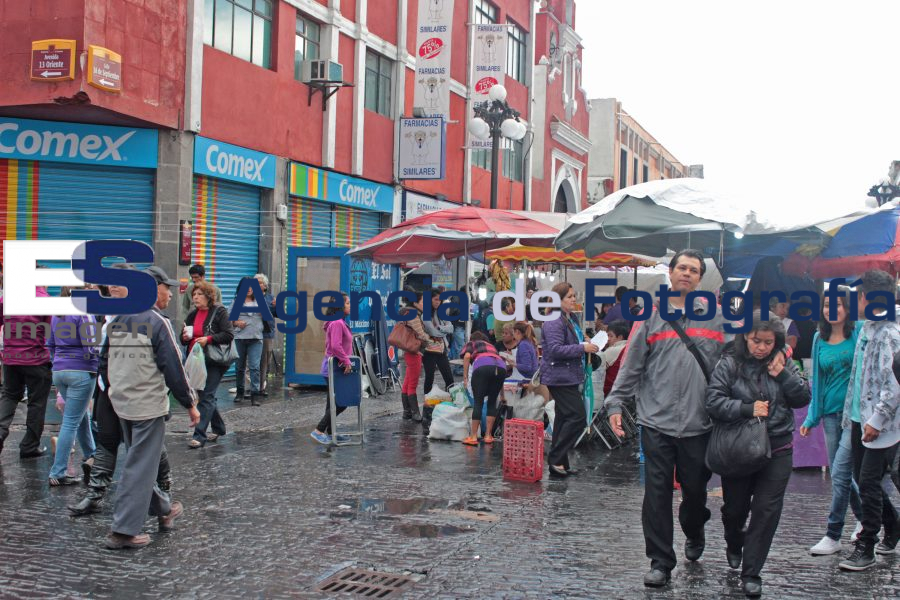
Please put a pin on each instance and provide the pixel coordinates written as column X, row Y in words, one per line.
column 798, row 98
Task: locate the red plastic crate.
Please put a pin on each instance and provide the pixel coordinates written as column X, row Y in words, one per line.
column 523, row 450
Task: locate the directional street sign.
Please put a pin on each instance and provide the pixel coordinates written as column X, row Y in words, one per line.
column 51, row 60
column 104, row 69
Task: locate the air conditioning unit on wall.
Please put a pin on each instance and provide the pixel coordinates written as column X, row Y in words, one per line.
column 321, row 71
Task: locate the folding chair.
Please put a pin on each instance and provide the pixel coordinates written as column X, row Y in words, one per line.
column 345, row 389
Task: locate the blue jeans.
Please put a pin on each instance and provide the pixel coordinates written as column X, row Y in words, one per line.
column 456, row 345
column 843, row 489
column 207, row 406
column 249, row 355
column 76, row 388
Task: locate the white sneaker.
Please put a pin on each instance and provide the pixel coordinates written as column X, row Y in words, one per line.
column 856, row 532
column 232, row 390
column 825, row 547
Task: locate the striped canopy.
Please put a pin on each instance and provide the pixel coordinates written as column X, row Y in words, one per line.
column 536, row 254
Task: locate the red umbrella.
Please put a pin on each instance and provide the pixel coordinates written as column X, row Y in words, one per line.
column 453, row 232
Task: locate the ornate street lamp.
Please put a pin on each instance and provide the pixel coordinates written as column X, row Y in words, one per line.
column 884, row 192
column 494, row 118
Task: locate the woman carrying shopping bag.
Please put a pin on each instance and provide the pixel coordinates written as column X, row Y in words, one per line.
column 207, row 324
column 339, row 345
column 755, row 385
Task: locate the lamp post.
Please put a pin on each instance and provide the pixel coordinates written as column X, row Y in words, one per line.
column 494, row 118
column 884, row 192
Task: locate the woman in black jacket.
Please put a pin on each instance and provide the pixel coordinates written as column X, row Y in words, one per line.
column 207, row 324
column 757, row 382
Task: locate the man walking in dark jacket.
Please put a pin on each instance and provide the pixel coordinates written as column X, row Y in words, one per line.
column 670, row 388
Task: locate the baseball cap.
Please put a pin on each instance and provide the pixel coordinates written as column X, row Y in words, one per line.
column 160, row 276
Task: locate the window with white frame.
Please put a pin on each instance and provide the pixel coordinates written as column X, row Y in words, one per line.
column 513, row 159
column 485, row 12
column 242, row 28
column 378, row 83
column 516, row 66
column 306, row 42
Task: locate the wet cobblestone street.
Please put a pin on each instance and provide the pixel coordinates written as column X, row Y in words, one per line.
column 269, row 513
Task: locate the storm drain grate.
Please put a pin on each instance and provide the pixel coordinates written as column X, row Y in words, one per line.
column 371, row 584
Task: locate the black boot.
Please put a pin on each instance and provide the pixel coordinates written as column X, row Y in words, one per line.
column 413, row 402
column 407, row 413
column 100, row 480
column 426, row 418
column 254, row 398
column 239, row 396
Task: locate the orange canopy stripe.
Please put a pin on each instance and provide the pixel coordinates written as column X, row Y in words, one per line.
column 550, row 255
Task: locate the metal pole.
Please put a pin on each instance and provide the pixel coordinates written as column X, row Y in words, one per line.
column 495, row 162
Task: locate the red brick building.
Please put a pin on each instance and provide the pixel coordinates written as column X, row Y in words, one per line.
column 228, row 158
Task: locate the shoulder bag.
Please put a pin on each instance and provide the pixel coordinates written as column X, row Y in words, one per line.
column 403, row 337
column 221, row 354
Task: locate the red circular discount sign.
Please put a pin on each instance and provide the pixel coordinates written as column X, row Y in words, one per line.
column 431, row 47
column 391, row 353
column 484, row 84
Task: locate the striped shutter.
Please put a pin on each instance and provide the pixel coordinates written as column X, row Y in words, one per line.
column 352, row 227
column 310, row 224
column 61, row 201
column 226, row 232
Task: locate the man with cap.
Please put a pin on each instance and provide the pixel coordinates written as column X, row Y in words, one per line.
column 141, row 368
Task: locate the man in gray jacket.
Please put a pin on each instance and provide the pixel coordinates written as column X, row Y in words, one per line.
column 144, row 364
column 670, row 388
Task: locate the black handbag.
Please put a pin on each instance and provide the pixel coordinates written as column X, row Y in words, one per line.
column 739, row 448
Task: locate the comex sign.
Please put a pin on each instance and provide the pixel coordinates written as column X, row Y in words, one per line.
column 77, row 143
column 234, row 163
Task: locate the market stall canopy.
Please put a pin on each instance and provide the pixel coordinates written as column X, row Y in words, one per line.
column 453, row 232
column 538, row 254
column 672, row 214
column 870, row 242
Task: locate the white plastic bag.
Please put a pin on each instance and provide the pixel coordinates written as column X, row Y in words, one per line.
column 437, row 395
column 550, row 411
column 449, row 422
column 459, row 395
column 529, row 407
column 195, row 367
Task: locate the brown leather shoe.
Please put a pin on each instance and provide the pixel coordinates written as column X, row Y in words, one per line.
column 166, row 523
column 119, row 541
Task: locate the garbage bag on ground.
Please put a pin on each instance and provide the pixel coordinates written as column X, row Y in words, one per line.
column 449, row 422
column 436, row 396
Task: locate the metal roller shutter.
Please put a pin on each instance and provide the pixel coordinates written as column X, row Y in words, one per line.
column 310, row 224
column 352, row 227
column 226, row 232
column 59, row 201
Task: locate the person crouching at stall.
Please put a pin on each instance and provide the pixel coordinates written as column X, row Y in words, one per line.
column 339, row 345
column 488, row 373
column 756, row 383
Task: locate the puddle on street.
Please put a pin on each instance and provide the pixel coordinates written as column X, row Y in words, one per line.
column 392, row 509
column 427, row 530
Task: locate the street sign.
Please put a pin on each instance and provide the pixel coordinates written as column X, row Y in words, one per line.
column 51, row 60
column 104, row 69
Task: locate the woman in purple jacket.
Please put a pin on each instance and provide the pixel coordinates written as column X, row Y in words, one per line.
column 339, row 345
column 562, row 371
column 74, row 350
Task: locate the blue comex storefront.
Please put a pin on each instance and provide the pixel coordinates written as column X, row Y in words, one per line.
column 329, row 214
column 72, row 181
column 228, row 180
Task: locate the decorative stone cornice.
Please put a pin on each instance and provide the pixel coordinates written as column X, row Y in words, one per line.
column 569, row 137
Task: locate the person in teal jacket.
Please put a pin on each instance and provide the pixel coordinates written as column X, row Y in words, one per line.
column 832, row 359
